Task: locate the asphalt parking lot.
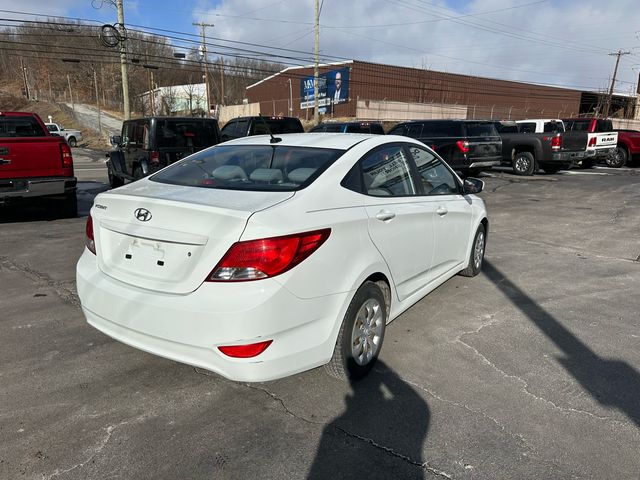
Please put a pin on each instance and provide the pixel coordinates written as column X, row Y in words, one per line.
column 530, row 370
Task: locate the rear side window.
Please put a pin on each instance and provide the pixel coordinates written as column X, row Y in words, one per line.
column 188, row 134
column 483, row 129
column 250, row 167
column 442, row 129
column 386, row 173
column 527, row 127
column 553, row 127
column 11, row 127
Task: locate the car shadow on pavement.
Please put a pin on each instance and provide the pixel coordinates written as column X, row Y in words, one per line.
column 380, row 435
column 613, row 383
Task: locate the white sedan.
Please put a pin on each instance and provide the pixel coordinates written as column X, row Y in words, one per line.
column 263, row 257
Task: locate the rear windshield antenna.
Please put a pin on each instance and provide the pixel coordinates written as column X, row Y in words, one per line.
column 273, row 139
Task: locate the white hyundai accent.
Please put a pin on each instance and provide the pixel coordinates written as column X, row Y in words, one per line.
column 263, row 257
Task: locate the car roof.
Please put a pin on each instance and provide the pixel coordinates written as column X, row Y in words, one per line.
column 340, row 141
column 540, row 120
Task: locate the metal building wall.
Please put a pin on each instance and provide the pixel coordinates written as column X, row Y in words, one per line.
column 369, row 81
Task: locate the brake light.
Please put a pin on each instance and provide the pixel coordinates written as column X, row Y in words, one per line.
column 267, row 257
column 154, row 157
column 89, row 240
column 592, row 142
column 556, row 142
column 463, row 146
column 245, row 351
column 66, row 156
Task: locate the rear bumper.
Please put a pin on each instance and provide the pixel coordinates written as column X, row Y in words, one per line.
column 36, row 187
column 485, row 163
column 600, row 152
column 189, row 328
column 573, row 156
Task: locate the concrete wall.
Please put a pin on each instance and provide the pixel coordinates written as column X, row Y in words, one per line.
column 625, row 124
column 231, row 111
column 398, row 111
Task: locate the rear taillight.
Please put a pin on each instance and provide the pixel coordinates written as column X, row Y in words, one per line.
column 463, row 146
column 65, row 155
column 267, row 257
column 89, row 240
column 592, row 142
column 245, row 351
column 154, row 157
column 556, row 142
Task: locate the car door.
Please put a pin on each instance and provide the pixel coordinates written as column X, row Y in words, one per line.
column 400, row 225
column 453, row 216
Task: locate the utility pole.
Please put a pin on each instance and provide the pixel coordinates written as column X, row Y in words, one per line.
column 221, row 80
column 73, row 105
column 316, row 113
column 123, row 60
column 95, row 82
column 607, row 106
column 24, row 78
column 203, row 33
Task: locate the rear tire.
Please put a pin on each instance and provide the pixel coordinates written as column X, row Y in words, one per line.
column 552, row 168
column 587, row 163
column 476, row 257
column 114, row 180
column 361, row 334
column 68, row 207
column 524, row 163
column 618, row 159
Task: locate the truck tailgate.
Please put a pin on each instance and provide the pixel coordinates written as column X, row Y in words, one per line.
column 574, row 140
column 30, row 157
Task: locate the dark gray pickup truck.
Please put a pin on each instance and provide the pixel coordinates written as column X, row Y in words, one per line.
column 551, row 151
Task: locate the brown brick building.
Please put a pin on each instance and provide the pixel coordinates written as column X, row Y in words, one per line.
column 401, row 92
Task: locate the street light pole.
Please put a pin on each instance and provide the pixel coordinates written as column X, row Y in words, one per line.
column 123, row 60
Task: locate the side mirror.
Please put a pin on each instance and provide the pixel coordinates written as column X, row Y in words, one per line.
column 473, row 185
column 116, row 140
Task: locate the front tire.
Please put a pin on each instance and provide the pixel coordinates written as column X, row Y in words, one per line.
column 524, row 163
column 72, row 142
column 476, row 257
column 618, row 159
column 361, row 334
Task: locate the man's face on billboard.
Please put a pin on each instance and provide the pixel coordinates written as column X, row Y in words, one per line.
column 338, row 81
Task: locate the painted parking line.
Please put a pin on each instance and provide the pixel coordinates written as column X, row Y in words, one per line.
column 570, row 172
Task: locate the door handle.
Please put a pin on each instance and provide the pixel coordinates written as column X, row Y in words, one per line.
column 442, row 211
column 384, row 215
column 4, row 162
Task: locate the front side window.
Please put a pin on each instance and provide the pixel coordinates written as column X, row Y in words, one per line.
column 250, row 167
column 435, row 177
column 386, row 173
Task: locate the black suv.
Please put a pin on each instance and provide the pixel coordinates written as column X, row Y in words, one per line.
column 246, row 126
column 349, row 127
column 149, row 144
column 469, row 146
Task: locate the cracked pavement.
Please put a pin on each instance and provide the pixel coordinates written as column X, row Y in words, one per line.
column 530, row 370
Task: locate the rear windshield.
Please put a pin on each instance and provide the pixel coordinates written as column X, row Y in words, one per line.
column 186, row 134
column 578, row 125
column 276, row 126
column 250, row 167
column 483, row 129
column 442, row 129
column 20, row 127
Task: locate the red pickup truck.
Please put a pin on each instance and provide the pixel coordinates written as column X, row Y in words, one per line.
column 628, row 148
column 34, row 163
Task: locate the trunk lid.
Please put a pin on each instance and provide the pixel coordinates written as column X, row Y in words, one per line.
column 168, row 238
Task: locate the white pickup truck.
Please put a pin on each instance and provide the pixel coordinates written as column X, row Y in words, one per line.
column 603, row 140
column 71, row 136
column 540, row 125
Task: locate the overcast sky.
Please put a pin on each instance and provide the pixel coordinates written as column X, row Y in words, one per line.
column 556, row 42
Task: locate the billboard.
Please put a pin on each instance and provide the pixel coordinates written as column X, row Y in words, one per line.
column 333, row 88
